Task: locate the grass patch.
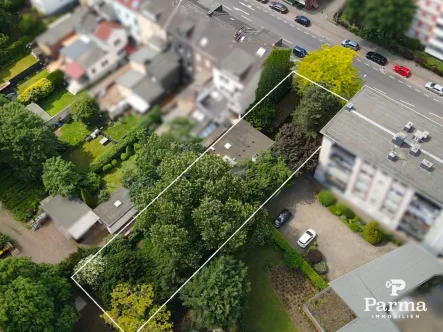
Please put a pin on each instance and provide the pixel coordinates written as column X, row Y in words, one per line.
column 120, row 128
column 16, row 68
column 73, row 132
column 57, row 101
column 26, row 84
column 265, row 312
column 83, row 155
column 113, row 180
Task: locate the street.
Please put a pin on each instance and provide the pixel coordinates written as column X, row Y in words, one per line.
column 404, row 90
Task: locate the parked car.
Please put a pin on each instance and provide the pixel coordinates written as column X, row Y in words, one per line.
column 299, row 52
column 377, row 58
column 303, row 20
column 434, row 87
column 350, row 44
column 277, row 6
column 263, row 1
column 283, row 217
column 402, row 70
column 306, row 238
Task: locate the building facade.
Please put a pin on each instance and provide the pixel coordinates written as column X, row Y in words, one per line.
column 51, row 7
column 127, row 14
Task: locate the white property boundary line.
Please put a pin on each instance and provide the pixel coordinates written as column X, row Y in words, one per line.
column 175, row 180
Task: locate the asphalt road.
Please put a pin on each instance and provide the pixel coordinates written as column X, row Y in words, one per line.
column 384, row 79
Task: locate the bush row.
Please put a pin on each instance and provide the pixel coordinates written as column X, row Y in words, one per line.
column 14, row 51
column 39, row 90
column 295, row 260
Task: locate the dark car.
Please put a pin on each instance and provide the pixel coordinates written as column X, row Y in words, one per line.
column 303, row 20
column 282, row 217
column 377, row 58
column 277, row 6
column 299, row 52
column 263, row 1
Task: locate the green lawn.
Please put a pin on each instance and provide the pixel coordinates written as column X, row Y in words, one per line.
column 57, row 101
column 120, row 128
column 83, row 155
column 26, row 84
column 73, row 132
column 112, row 180
column 16, row 68
column 265, row 312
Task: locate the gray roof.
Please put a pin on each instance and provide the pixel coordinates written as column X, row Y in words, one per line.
column 90, row 56
column 114, row 216
column 77, row 48
column 410, row 263
column 163, row 65
column 62, row 27
column 130, row 78
column 238, row 62
column 72, row 215
column 367, row 131
column 157, row 10
column 144, row 55
column 212, row 102
column 148, row 90
column 37, row 110
column 245, row 142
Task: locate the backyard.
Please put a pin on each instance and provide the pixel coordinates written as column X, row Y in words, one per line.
column 22, row 86
column 16, row 68
column 83, row 155
column 265, row 311
column 73, row 132
column 57, row 101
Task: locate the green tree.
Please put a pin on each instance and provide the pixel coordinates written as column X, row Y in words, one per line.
column 91, row 182
column 91, row 273
column 133, row 305
column 84, row 108
column 217, row 295
column 331, row 66
column 317, row 106
column 31, row 24
column 263, row 116
column 276, row 67
column 180, row 130
column 294, row 146
column 25, row 141
column 88, row 198
column 390, row 16
column 34, row 297
column 60, row 177
column 3, row 99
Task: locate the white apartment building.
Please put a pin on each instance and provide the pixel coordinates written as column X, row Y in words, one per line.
column 387, row 161
column 127, row 12
column 427, row 26
column 50, row 7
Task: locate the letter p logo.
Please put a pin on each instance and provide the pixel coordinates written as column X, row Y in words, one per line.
column 395, row 285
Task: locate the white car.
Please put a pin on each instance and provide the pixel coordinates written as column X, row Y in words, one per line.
column 434, row 87
column 306, row 238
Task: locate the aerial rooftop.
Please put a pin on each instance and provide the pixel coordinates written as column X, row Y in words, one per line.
column 368, row 130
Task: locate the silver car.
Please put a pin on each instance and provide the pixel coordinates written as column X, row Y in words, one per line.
column 434, row 87
column 350, row 44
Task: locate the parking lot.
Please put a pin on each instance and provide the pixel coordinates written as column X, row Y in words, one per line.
column 344, row 250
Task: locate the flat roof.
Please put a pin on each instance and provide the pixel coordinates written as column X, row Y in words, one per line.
column 367, row 131
column 242, row 142
column 409, row 262
column 37, row 110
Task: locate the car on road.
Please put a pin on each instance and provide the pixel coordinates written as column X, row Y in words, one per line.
column 263, row 1
column 377, row 58
column 306, row 238
column 402, row 70
column 299, row 52
column 303, row 20
column 282, row 217
column 350, row 44
column 434, row 87
column 279, row 7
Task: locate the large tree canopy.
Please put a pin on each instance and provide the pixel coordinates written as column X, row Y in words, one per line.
column 217, row 295
column 317, row 106
column 60, row 177
column 25, row 141
column 331, row 66
column 84, row 109
column 390, row 16
column 34, row 298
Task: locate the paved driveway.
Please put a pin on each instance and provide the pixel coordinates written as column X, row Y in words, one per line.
column 344, row 250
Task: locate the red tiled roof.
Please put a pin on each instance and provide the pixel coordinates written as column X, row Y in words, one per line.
column 104, row 30
column 131, row 4
column 74, row 70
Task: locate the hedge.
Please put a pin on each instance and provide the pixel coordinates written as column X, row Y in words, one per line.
column 372, row 234
column 40, row 89
column 326, row 198
column 295, row 260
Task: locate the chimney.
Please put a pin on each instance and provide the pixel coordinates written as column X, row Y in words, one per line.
column 414, row 150
column 392, row 156
column 426, row 165
column 398, row 139
column 349, row 106
column 407, row 128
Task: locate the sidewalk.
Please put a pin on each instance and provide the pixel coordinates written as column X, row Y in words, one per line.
column 323, row 25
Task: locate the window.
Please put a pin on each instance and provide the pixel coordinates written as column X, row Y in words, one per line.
column 93, row 70
column 104, row 63
column 208, row 64
column 117, row 42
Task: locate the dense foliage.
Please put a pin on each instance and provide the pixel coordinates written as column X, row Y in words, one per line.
column 60, row 177
column 326, row 198
column 372, row 234
column 84, row 108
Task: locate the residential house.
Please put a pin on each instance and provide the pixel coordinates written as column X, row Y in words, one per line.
column 127, row 14
column 153, row 75
column 93, row 55
column 52, row 7
column 72, row 217
column 387, row 160
column 117, row 211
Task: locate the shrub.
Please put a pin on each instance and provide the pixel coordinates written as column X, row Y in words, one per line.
column 293, row 259
column 114, row 162
column 39, row 90
column 57, row 78
column 321, row 267
column 341, row 210
column 314, row 256
column 347, row 212
column 103, row 196
column 335, row 209
column 124, row 156
column 372, row 234
column 129, row 152
column 137, row 146
column 107, row 167
column 3, row 239
column 355, row 228
column 326, row 198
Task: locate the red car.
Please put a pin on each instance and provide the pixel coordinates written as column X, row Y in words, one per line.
column 402, row 70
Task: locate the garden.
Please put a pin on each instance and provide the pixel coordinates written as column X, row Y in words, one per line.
column 15, row 68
